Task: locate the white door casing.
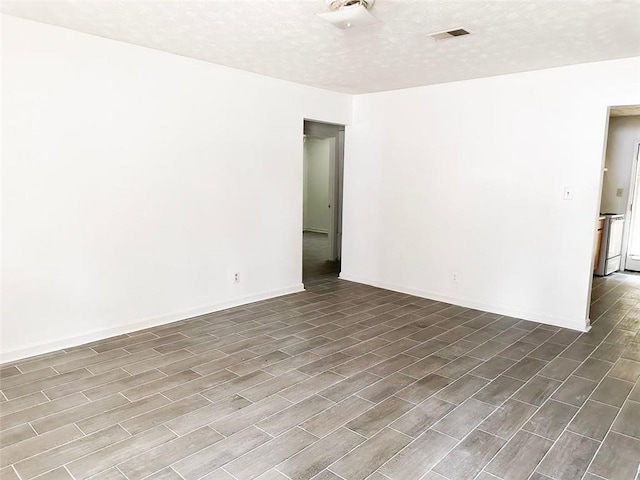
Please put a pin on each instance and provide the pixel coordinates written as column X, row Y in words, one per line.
column 631, row 245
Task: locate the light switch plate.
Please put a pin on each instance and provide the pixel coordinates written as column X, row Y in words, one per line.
column 619, row 192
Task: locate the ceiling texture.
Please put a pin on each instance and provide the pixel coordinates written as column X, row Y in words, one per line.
column 285, row 39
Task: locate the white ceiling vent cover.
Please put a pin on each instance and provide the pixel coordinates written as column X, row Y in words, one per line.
column 455, row 32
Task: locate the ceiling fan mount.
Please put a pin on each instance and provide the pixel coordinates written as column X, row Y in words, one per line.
column 340, row 4
column 349, row 13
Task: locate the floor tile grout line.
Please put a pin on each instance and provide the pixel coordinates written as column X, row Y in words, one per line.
column 118, row 469
column 124, row 347
column 520, row 429
column 613, row 431
column 609, row 430
column 536, row 411
column 366, row 439
column 573, row 417
column 15, row 471
column 597, row 476
column 172, row 431
column 172, row 464
column 227, row 472
column 4, row 390
column 273, row 438
column 82, row 392
column 565, row 403
column 136, row 386
column 102, row 448
column 29, row 360
column 491, row 475
column 459, row 442
column 610, row 307
column 67, row 470
column 338, row 475
column 41, row 473
column 44, row 416
column 176, row 472
column 210, row 425
column 454, row 327
column 161, row 392
column 124, row 357
column 281, row 473
column 506, row 441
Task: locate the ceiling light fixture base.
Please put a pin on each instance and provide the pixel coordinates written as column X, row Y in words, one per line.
column 346, row 14
column 339, row 4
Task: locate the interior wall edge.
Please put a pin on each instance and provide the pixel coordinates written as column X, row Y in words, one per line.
column 579, row 325
column 42, row 348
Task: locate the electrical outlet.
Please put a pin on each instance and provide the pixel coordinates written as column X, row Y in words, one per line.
column 455, row 276
column 236, row 277
column 619, row 192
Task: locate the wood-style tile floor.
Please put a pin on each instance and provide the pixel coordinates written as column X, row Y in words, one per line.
column 343, row 381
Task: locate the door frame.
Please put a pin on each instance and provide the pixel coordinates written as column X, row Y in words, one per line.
column 335, row 132
column 626, row 234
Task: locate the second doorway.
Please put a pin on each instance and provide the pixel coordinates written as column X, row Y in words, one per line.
column 323, row 156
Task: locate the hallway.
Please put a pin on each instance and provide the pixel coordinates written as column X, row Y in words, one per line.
column 315, row 263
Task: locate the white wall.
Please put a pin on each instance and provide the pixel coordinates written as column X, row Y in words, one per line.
column 624, row 135
column 317, row 158
column 135, row 182
column 468, row 177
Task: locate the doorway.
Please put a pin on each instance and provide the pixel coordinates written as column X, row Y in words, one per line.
column 617, row 247
column 323, row 159
column 620, row 185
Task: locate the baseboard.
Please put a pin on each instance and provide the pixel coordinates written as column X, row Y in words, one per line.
column 315, row 230
column 39, row 349
column 582, row 326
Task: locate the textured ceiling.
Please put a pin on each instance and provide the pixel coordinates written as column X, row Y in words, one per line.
column 285, row 39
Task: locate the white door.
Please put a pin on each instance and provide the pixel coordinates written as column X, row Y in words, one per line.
column 632, row 260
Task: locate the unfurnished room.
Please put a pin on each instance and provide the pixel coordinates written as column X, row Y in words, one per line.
column 320, row 240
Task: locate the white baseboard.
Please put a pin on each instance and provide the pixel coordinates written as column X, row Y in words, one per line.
column 38, row 349
column 582, row 326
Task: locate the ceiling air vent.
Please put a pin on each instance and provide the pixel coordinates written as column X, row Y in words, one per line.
column 456, row 32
